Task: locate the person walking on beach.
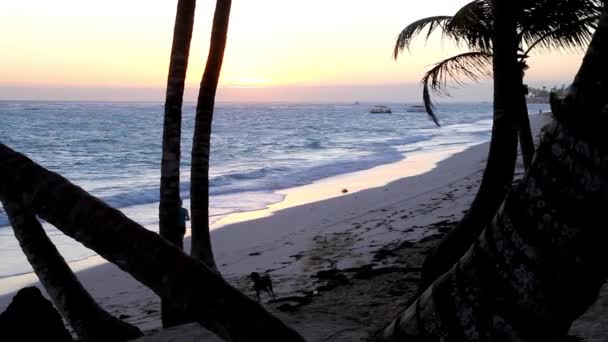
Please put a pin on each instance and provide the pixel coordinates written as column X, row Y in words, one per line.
column 182, row 217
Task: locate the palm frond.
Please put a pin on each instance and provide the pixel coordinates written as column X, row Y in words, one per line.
column 472, row 26
column 428, row 104
column 539, row 20
column 469, row 66
column 574, row 35
column 404, row 39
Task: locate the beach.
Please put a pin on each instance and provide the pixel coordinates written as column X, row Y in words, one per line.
column 295, row 243
column 260, row 153
column 344, row 253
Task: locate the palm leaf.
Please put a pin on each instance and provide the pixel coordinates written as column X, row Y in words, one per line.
column 575, row 35
column 469, row 66
column 472, row 26
column 404, row 39
column 539, row 20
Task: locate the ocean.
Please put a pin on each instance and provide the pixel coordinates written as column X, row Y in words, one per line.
column 113, row 150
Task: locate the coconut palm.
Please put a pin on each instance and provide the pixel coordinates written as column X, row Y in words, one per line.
column 201, row 145
column 541, row 262
column 562, row 24
column 85, row 316
column 169, row 187
column 183, row 280
column 541, row 24
column 170, row 183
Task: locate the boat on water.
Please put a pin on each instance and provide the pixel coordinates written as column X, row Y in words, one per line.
column 415, row 109
column 380, row 110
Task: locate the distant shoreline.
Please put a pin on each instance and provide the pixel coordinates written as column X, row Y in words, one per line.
column 537, row 100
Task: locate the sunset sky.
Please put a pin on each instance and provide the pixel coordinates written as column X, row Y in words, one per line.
column 60, row 48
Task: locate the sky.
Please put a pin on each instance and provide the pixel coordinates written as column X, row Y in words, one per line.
column 278, row 50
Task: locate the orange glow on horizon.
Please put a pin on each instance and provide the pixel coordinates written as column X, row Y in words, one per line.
column 271, row 43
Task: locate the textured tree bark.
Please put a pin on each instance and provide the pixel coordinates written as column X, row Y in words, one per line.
column 541, row 262
column 201, row 145
column 172, row 132
column 89, row 320
column 169, row 186
column 186, row 282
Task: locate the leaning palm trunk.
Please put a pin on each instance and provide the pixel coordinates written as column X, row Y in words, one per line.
column 186, row 282
column 201, row 145
column 541, row 262
column 526, row 141
column 89, row 320
column 495, row 183
column 172, row 127
column 539, row 25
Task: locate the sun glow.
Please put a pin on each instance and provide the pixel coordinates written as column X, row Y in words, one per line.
column 74, row 43
column 247, row 82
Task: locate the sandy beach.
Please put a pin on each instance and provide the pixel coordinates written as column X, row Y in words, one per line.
column 356, row 241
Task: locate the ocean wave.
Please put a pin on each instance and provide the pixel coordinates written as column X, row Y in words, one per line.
column 254, row 174
column 314, row 144
column 265, row 179
column 329, row 142
column 407, row 140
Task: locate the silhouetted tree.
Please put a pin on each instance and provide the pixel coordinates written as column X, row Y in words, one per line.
column 541, row 262
column 201, row 144
column 89, row 320
column 559, row 24
column 172, row 132
column 539, row 24
column 185, row 281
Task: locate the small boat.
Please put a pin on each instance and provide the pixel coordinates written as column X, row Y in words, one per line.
column 380, row 110
column 416, row 109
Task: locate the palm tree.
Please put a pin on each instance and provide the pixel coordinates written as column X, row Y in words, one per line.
column 540, row 24
column 172, row 131
column 185, row 281
column 201, row 145
column 89, row 320
column 541, row 262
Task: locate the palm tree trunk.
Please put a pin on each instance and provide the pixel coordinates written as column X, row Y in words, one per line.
column 535, row 269
column 496, row 180
column 495, row 184
column 541, row 262
column 89, row 320
column 201, row 145
column 172, row 131
column 186, row 282
column 526, row 141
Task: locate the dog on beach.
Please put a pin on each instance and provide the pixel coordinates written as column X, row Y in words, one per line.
column 262, row 283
